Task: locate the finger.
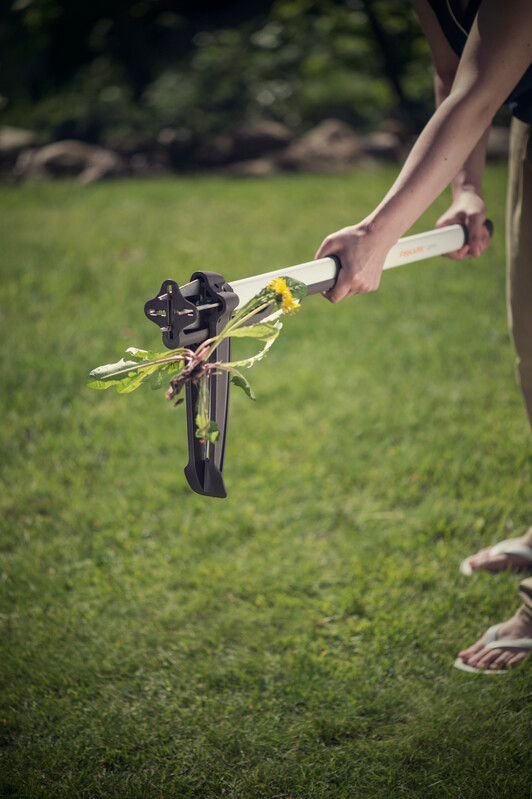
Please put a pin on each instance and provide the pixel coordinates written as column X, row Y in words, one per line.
column 341, row 289
column 454, row 219
column 350, row 282
column 327, row 248
column 477, row 236
column 321, row 253
column 486, row 236
column 459, row 255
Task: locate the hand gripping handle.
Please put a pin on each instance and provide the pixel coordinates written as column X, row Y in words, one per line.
column 320, row 275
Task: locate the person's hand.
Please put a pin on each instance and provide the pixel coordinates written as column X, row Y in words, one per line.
column 362, row 259
column 469, row 210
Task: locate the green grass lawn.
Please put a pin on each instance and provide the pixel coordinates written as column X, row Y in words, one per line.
column 295, row 640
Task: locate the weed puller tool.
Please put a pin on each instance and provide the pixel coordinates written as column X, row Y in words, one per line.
column 188, row 315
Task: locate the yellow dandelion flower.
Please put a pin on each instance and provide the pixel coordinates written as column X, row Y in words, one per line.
column 278, row 284
column 283, row 295
column 289, row 305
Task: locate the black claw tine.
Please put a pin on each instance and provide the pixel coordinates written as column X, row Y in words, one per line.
column 204, row 470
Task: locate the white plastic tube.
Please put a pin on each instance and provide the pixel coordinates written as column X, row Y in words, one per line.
column 321, row 274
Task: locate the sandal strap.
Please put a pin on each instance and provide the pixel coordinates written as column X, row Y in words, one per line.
column 512, row 547
column 491, row 641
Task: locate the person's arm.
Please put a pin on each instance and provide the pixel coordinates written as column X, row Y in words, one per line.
column 497, row 53
column 467, row 208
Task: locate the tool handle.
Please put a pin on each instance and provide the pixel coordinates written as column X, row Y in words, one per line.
column 320, row 275
column 440, row 241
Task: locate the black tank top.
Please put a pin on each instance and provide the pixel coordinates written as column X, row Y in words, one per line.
column 456, row 32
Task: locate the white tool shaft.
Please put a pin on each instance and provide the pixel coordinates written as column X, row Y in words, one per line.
column 324, row 271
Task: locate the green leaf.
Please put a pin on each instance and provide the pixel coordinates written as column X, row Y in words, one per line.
column 147, row 355
column 127, row 375
column 212, row 432
column 240, row 381
column 206, row 430
column 265, row 295
column 260, row 330
column 297, row 288
column 135, row 379
column 157, row 380
column 110, row 374
column 248, row 362
column 161, row 376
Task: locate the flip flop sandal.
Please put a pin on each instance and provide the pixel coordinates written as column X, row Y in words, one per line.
column 492, row 643
column 509, row 547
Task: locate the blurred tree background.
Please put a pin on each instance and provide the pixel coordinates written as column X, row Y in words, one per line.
column 130, row 74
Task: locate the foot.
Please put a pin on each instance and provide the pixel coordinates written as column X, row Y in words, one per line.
column 481, row 657
column 491, row 560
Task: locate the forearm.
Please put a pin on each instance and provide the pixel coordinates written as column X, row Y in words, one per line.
column 470, row 176
column 437, row 159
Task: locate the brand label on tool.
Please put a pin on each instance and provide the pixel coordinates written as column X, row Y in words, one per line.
column 414, row 251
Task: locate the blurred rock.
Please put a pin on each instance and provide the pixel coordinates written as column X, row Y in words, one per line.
column 174, row 148
column 70, row 158
column 254, row 168
column 330, row 145
column 141, row 165
column 263, row 149
column 243, row 143
column 14, row 140
column 214, row 151
column 398, row 128
column 251, row 141
column 382, row 145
